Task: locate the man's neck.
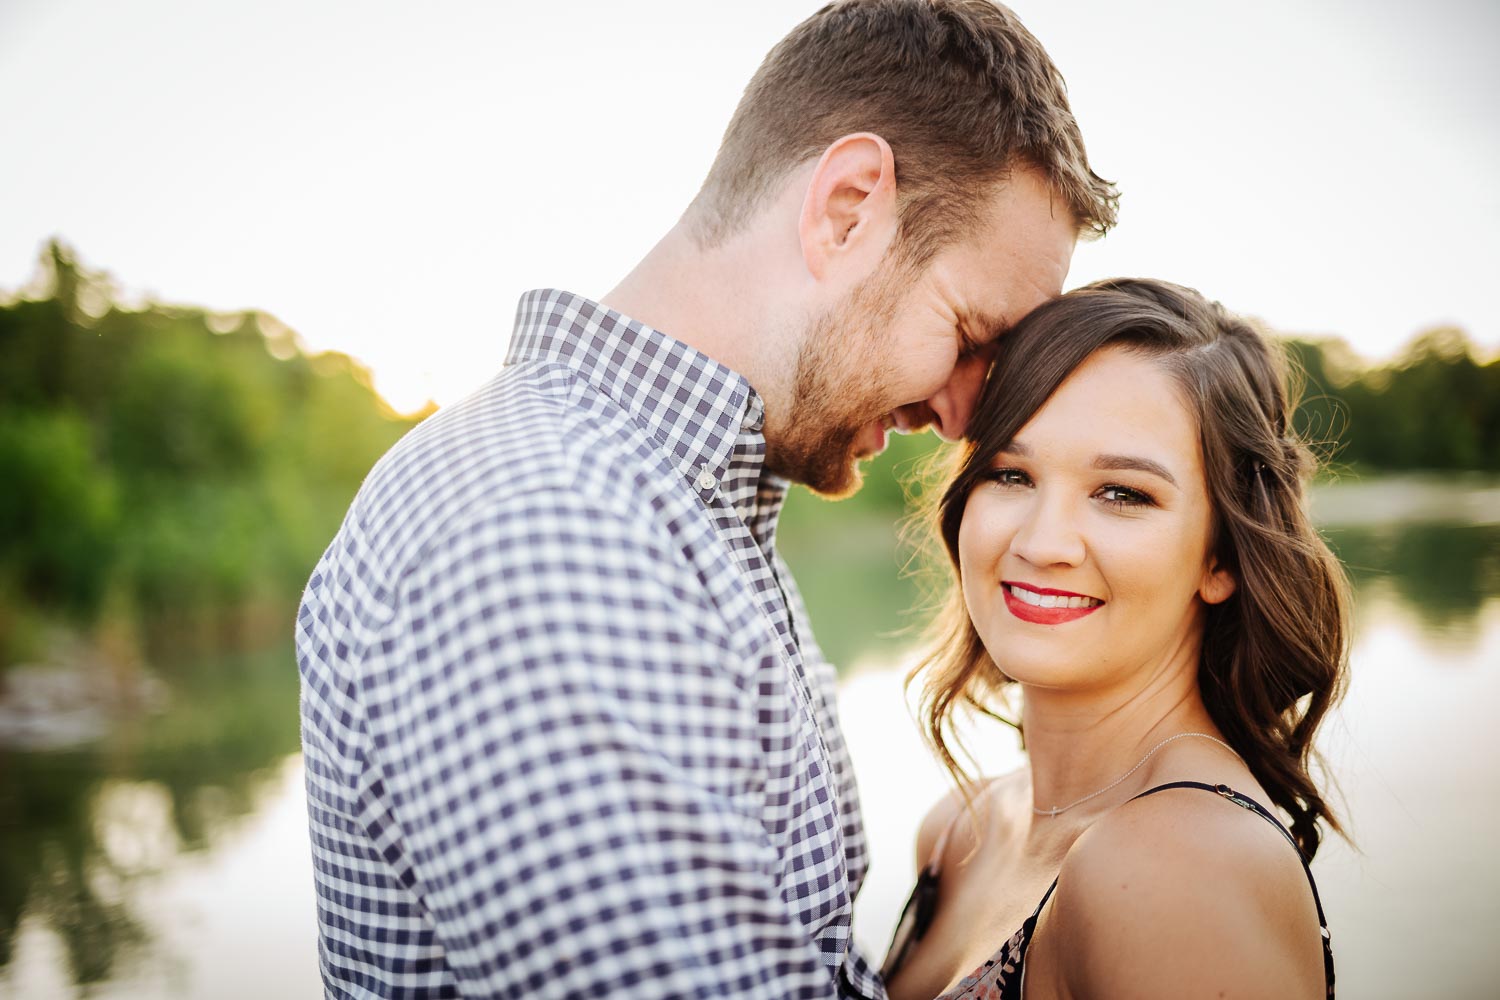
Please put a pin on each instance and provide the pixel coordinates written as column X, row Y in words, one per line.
column 720, row 301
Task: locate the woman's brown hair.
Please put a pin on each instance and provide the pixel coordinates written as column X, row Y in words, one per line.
column 1274, row 655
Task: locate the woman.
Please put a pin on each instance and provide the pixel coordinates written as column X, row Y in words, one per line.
column 1134, row 558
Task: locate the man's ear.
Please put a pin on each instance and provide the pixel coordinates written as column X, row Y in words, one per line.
column 1218, row 582
column 849, row 213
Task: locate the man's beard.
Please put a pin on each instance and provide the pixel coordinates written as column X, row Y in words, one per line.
column 839, row 387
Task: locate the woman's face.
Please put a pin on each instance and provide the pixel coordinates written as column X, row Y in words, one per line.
column 1084, row 552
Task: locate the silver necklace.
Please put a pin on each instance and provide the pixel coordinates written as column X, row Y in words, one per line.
column 1055, row 810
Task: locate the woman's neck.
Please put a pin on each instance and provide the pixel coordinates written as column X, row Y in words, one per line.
column 1079, row 742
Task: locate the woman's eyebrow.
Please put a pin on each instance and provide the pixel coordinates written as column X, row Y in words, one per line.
column 1015, row 448
column 1146, row 465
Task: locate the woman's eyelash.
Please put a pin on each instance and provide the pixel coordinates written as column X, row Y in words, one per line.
column 1125, row 496
column 1007, row 477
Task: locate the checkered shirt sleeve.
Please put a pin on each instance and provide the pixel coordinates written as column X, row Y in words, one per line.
column 553, row 744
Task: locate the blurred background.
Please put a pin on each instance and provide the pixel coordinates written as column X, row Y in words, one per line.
column 244, row 247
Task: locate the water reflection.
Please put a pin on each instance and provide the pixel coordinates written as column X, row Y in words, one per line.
column 1441, row 572
column 54, row 868
column 79, row 830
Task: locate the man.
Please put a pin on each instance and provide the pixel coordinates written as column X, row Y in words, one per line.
column 566, row 731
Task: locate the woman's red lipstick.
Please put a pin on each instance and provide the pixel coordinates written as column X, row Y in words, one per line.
column 1047, row 616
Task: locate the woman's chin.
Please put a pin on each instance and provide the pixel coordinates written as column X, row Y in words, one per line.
column 1040, row 678
column 1052, row 662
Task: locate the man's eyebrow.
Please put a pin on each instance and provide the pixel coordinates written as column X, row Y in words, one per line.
column 988, row 324
column 1118, row 462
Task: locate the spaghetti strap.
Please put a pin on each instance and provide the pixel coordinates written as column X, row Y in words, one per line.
column 1036, row 913
column 1247, row 803
column 921, row 905
column 935, row 859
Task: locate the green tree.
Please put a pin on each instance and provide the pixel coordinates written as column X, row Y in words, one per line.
column 167, row 457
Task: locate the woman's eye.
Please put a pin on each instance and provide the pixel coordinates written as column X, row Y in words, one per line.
column 1008, row 477
column 1124, row 496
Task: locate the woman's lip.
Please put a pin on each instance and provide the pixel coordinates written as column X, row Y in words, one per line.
column 1045, row 616
column 1046, row 590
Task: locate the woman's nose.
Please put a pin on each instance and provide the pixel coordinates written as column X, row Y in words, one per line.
column 1049, row 534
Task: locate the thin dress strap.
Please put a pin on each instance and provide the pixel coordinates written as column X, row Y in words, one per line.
column 935, row 859
column 1246, row 802
column 1036, row 913
column 921, row 906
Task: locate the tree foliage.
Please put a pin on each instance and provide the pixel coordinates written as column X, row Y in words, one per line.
column 1435, row 408
column 182, row 466
column 163, row 461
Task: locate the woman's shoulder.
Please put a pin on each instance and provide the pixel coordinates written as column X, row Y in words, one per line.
column 1187, row 893
column 1187, row 831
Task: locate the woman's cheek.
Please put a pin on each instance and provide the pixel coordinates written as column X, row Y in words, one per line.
column 986, row 525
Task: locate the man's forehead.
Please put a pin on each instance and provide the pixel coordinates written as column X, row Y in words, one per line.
column 1008, row 282
column 1025, row 229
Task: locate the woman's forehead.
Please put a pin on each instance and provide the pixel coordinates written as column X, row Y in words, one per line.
column 1119, row 401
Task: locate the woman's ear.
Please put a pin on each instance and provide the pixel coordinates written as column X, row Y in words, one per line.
column 1218, row 583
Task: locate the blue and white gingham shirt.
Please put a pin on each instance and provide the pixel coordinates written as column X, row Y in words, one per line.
column 566, row 731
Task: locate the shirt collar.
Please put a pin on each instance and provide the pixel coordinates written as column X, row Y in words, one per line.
column 706, row 416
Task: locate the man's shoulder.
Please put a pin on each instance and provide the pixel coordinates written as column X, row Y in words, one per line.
column 535, row 496
column 536, row 431
column 503, row 437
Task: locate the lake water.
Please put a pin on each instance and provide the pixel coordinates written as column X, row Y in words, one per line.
column 171, row 860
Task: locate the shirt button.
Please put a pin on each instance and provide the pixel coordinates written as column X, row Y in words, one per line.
column 706, row 480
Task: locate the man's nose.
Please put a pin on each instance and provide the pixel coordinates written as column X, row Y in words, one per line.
column 952, row 405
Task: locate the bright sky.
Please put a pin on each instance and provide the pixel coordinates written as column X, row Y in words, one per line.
column 387, row 178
